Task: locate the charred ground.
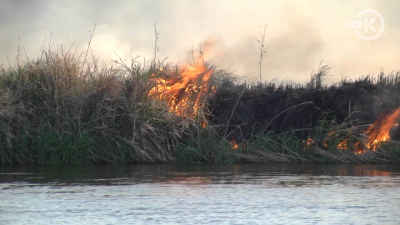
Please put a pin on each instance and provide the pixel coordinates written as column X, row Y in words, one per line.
column 250, row 109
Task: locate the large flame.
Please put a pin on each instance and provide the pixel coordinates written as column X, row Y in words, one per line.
column 184, row 92
column 379, row 130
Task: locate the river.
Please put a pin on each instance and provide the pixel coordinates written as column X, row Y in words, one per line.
column 200, row 194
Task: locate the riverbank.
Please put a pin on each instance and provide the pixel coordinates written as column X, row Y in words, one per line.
column 66, row 109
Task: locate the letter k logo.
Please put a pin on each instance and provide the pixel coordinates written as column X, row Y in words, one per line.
column 368, row 24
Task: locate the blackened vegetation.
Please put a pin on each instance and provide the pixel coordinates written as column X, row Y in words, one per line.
column 60, row 110
column 294, row 107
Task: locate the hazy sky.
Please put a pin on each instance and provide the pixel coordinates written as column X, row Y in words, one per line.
column 300, row 33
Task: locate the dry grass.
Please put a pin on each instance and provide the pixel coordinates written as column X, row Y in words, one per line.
column 59, row 100
column 65, row 109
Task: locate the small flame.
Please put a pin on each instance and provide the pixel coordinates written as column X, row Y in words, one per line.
column 234, row 144
column 342, row 144
column 307, row 143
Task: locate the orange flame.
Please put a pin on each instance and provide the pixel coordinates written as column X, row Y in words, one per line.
column 379, row 131
column 183, row 93
column 307, row 143
column 234, row 144
column 342, row 144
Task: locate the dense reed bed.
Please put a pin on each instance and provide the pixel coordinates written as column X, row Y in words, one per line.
column 65, row 109
column 310, row 122
column 60, row 109
column 301, row 106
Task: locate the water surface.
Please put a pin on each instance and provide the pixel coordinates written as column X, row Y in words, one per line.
column 201, row 194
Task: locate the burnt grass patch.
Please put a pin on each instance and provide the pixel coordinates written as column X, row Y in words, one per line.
column 247, row 110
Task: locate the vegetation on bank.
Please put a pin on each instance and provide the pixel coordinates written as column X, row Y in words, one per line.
column 63, row 109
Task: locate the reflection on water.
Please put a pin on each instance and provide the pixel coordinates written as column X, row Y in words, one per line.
column 200, row 194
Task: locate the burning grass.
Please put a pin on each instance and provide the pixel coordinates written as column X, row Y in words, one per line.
column 57, row 110
column 184, row 91
column 348, row 122
column 62, row 109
